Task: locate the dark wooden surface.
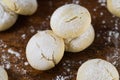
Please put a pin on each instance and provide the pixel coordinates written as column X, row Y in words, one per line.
column 105, row 46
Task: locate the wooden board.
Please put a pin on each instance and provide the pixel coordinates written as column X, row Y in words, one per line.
column 105, row 46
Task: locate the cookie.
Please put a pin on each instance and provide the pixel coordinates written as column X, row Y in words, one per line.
column 114, row 7
column 3, row 74
column 44, row 50
column 23, row 7
column 70, row 20
column 81, row 42
column 97, row 69
column 7, row 17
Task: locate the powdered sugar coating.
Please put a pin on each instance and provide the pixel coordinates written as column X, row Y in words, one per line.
column 70, row 20
column 82, row 42
column 44, row 50
column 7, row 17
column 3, row 74
column 24, row 7
column 97, row 69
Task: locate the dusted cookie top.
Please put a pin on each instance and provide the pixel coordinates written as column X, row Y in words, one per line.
column 7, row 17
column 81, row 42
column 3, row 74
column 114, row 7
column 97, row 69
column 23, row 7
column 44, row 50
column 70, row 20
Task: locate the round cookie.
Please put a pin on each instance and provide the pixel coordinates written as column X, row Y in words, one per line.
column 114, row 7
column 23, row 7
column 7, row 17
column 44, row 50
column 80, row 43
column 70, row 20
column 3, row 74
column 97, row 69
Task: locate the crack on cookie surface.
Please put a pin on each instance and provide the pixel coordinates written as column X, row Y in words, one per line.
column 52, row 60
column 6, row 10
column 109, row 73
column 72, row 19
column 99, row 62
column 15, row 7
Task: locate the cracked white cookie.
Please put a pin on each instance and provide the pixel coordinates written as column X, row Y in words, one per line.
column 44, row 50
column 114, row 7
column 80, row 43
column 3, row 74
column 70, row 20
column 97, row 69
column 23, row 7
column 7, row 17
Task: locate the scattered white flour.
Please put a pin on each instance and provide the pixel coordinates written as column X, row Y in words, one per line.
column 102, row 2
column 5, row 63
column 3, row 50
column 11, row 51
column 2, row 44
column 101, row 13
column 113, row 57
column 23, row 71
column 20, row 70
column 26, row 63
column 94, row 9
column 116, row 35
column 68, row 71
column 32, row 30
column 103, row 22
column 76, row 1
column 60, row 77
column 113, row 37
column 23, row 36
column 8, row 66
column 48, row 17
